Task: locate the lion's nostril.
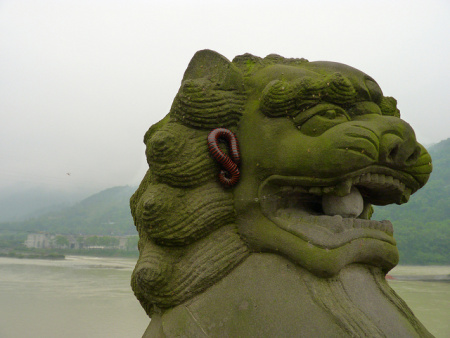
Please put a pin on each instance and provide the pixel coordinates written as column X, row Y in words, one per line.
column 393, row 153
column 414, row 156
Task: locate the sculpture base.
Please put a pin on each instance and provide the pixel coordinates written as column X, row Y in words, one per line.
column 269, row 296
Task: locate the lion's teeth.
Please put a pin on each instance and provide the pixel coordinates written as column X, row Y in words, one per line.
column 343, row 188
column 365, row 178
column 405, row 196
column 373, row 224
column 286, row 188
column 387, row 225
column 327, row 190
column 315, row 191
column 299, row 189
column 377, row 178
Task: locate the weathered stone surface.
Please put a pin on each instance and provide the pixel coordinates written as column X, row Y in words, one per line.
column 273, row 297
column 282, row 246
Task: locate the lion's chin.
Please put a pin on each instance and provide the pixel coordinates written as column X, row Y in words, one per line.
column 333, row 231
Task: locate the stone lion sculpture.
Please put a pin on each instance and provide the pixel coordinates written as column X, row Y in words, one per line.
column 254, row 215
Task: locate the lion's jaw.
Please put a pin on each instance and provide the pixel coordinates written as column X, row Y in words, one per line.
column 289, row 220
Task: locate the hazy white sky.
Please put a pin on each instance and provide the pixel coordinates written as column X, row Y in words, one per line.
column 81, row 81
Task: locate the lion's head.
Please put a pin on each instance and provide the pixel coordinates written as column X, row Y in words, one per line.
column 319, row 144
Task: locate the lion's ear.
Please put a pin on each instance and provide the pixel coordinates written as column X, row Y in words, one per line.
column 215, row 67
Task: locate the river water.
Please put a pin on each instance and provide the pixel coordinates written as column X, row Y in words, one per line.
column 91, row 297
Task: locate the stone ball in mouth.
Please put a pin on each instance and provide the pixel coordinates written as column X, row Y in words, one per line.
column 350, row 206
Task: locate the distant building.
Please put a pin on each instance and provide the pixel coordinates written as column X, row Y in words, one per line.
column 39, row 241
column 74, row 243
column 123, row 241
column 52, row 241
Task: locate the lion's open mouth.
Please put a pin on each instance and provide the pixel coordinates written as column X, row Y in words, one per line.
column 330, row 213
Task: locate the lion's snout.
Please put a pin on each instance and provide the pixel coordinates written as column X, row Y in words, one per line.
column 399, row 152
column 397, row 144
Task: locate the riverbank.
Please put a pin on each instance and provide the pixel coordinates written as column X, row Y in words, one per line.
column 58, row 254
column 33, row 255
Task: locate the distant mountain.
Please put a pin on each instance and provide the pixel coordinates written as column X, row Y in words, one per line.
column 21, row 203
column 422, row 226
column 104, row 213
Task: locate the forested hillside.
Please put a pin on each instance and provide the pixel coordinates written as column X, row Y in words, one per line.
column 422, row 226
column 105, row 213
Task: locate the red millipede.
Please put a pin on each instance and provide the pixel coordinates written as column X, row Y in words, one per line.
column 230, row 175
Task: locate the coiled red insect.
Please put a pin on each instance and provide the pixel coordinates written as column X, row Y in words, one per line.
column 230, row 175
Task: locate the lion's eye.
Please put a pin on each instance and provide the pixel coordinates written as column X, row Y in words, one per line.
column 324, row 110
column 330, row 114
column 365, row 108
column 320, row 118
column 333, row 114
